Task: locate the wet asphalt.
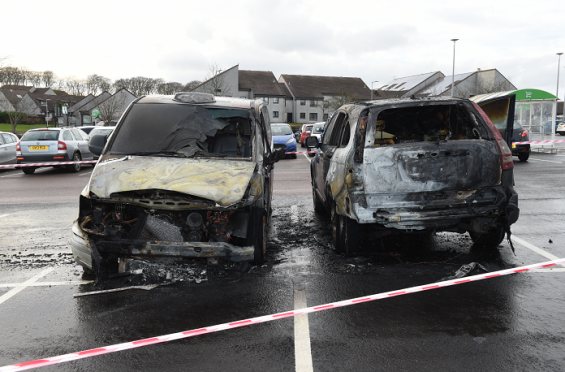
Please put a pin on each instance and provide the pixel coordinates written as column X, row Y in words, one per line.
column 507, row 324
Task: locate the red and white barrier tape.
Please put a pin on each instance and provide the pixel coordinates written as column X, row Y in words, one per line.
column 268, row 318
column 48, row 164
column 537, row 142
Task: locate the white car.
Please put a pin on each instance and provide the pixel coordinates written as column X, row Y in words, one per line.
column 561, row 129
column 318, row 130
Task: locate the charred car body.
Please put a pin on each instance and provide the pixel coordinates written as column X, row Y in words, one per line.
column 188, row 175
column 414, row 166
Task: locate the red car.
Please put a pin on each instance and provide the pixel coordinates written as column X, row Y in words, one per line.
column 306, row 130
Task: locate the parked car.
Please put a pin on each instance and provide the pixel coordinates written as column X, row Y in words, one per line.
column 306, row 130
column 106, row 131
column 42, row 145
column 182, row 176
column 547, row 126
column 86, row 128
column 561, row 129
column 413, row 165
column 520, row 134
column 283, row 138
column 8, row 143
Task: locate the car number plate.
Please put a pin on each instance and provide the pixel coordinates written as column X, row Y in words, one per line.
column 38, row 147
column 513, row 146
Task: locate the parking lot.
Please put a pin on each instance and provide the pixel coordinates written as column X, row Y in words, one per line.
column 506, row 324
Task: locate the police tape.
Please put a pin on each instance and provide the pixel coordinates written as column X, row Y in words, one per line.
column 537, row 142
column 48, row 164
column 301, row 152
column 268, row 318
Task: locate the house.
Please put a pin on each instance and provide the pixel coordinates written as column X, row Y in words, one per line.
column 315, row 97
column 263, row 85
column 223, row 84
column 113, row 107
column 81, row 113
column 436, row 84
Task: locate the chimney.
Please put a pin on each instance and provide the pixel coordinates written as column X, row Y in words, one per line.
column 479, row 69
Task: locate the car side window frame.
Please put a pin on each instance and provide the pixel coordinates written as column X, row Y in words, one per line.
column 69, row 134
column 335, row 137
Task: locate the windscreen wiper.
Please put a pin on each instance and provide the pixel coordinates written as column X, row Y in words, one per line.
column 162, row 152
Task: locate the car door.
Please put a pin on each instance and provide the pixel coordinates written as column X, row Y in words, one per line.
column 4, row 151
column 82, row 144
column 330, row 142
column 10, row 141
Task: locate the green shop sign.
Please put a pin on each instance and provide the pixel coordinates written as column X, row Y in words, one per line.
column 528, row 94
column 95, row 114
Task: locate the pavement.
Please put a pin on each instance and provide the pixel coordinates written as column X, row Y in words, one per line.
column 504, row 324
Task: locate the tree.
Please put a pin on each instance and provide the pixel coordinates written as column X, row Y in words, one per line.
column 74, row 86
column 339, row 100
column 111, row 109
column 216, row 82
column 191, row 85
column 96, row 84
column 48, row 78
column 22, row 108
column 170, row 88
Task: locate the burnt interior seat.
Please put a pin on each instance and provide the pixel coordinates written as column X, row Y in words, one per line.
column 227, row 144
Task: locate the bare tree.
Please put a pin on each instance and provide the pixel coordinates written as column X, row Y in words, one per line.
column 191, row 85
column 96, row 84
column 22, row 108
column 35, row 78
column 48, row 78
column 74, row 86
column 216, row 82
column 111, row 109
column 339, row 100
column 170, row 88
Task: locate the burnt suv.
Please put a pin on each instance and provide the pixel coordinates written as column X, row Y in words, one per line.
column 188, row 175
column 414, row 165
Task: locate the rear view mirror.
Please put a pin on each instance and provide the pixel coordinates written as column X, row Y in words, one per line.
column 97, row 143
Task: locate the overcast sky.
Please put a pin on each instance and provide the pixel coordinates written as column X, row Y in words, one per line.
column 373, row 40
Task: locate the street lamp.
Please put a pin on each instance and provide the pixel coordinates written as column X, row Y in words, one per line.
column 47, row 112
column 558, row 66
column 376, row 81
column 453, row 72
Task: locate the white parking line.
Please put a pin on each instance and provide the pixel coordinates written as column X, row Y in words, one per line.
column 6, row 215
column 86, row 174
column 548, row 161
column 294, row 213
column 302, row 348
column 539, row 251
column 20, row 287
column 309, row 158
column 47, row 284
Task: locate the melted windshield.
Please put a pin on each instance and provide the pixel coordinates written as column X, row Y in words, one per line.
column 183, row 130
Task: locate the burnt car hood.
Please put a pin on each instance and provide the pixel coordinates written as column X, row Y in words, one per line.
column 222, row 181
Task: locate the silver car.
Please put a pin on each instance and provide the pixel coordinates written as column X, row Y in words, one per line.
column 53, row 145
column 8, row 143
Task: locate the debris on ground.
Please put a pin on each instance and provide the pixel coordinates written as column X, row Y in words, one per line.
column 466, row 270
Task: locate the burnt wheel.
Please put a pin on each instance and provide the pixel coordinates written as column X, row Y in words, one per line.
column 73, row 168
column 345, row 233
column 261, row 243
column 488, row 240
column 318, row 205
column 523, row 156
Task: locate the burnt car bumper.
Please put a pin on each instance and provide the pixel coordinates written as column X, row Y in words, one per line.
column 81, row 247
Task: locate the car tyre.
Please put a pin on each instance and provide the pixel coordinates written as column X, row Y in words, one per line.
column 523, row 156
column 74, row 168
column 345, row 233
column 318, row 205
column 562, row 133
column 488, row 240
column 28, row 170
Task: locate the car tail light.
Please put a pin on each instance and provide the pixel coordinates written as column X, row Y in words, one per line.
column 61, row 145
column 18, row 147
column 58, row 157
column 505, row 151
column 524, row 133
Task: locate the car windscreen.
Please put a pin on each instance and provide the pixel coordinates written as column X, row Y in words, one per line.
column 41, row 135
column 100, row 131
column 318, row 129
column 281, row 130
column 185, row 130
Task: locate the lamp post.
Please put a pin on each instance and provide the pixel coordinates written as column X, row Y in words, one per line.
column 558, row 66
column 376, row 81
column 453, row 71
column 47, row 112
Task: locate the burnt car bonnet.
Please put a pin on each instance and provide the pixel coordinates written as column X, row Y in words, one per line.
column 224, row 182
